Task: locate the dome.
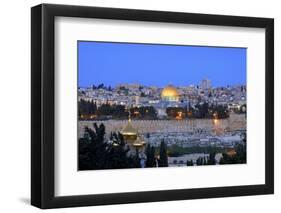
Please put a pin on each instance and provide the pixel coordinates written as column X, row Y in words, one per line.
column 139, row 143
column 129, row 129
column 170, row 93
column 129, row 132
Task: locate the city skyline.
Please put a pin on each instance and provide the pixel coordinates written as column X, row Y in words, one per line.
column 160, row 87
column 98, row 60
column 150, row 117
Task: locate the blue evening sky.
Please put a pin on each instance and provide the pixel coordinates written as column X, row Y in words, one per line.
column 158, row 65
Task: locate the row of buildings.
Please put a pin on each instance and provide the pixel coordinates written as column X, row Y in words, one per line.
column 202, row 134
column 136, row 95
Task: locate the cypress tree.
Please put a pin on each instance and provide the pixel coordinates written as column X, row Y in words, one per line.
column 150, row 156
column 163, row 161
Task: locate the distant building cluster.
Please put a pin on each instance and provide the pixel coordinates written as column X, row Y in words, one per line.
column 194, row 124
column 136, row 95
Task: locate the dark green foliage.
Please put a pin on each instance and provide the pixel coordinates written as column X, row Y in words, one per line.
column 203, row 110
column 241, row 153
column 87, row 107
column 114, row 111
column 199, row 111
column 163, row 160
column 92, row 149
column 95, row 153
column 211, row 159
column 238, row 158
column 117, row 153
column 150, row 156
column 136, row 160
column 143, row 112
column 101, row 86
column 147, row 135
column 189, row 163
column 207, row 111
column 199, row 161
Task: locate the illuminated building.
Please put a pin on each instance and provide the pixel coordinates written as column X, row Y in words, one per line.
column 170, row 97
column 131, row 137
column 170, row 94
column 129, row 132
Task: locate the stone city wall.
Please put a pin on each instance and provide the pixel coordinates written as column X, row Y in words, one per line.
column 234, row 122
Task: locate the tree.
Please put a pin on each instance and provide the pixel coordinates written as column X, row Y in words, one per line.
column 86, row 108
column 212, row 159
column 136, row 160
column 189, row 163
column 199, row 161
column 92, row 148
column 163, row 160
column 92, row 107
column 101, row 86
column 147, row 135
column 97, row 153
column 105, row 109
column 143, row 112
column 173, row 112
column 240, row 155
column 117, row 153
column 150, row 156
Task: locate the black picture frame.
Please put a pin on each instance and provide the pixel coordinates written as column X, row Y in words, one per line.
column 43, row 105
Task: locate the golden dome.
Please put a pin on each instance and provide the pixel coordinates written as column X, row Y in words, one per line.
column 138, row 142
column 170, row 93
column 129, row 129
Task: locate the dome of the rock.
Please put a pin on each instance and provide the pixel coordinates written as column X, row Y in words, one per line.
column 170, row 93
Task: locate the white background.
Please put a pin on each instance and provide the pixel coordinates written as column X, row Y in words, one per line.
column 15, row 106
column 70, row 182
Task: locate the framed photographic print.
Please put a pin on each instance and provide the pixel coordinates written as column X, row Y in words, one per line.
column 139, row 106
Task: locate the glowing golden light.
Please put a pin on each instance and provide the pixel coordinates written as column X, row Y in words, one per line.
column 179, row 116
column 215, row 121
column 170, row 93
column 230, row 152
column 93, row 116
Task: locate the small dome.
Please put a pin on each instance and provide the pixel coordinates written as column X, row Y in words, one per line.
column 138, row 142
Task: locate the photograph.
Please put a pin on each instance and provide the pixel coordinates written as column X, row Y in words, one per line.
column 160, row 105
column 139, row 105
